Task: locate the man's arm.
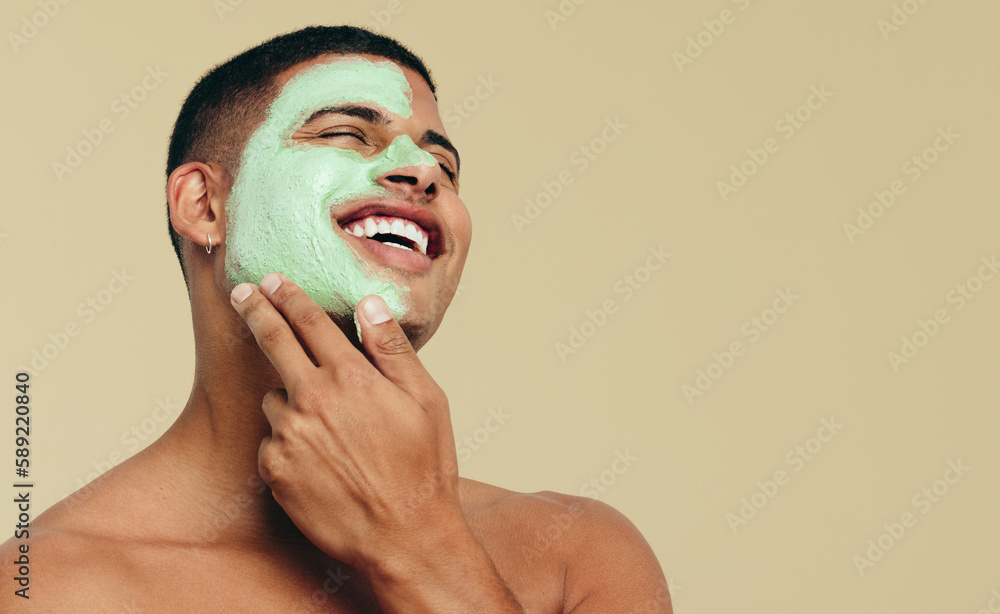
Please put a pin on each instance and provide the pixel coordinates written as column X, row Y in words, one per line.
column 610, row 566
column 362, row 457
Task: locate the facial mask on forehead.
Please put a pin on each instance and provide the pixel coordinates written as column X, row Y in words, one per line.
column 279, row 208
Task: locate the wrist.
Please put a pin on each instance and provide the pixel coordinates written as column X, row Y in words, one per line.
column 444, row 570
column 440, row 541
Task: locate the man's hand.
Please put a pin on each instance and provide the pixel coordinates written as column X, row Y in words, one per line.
column 361, row 454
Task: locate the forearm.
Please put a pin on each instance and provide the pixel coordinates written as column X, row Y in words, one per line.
column 450, row 572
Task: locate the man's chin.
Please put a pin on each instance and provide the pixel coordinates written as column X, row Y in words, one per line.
column 418, row 336
column 418, row 333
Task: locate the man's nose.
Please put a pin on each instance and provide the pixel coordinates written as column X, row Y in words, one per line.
column 414, row 171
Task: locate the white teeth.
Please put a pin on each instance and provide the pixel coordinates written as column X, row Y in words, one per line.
column 369, row 228
column 418, row 237
column 399, row 246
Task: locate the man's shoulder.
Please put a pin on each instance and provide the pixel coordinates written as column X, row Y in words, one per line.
column 547, row 521
column 79, row 552
column 63, row 570
column 482, row 498
column 599, row 555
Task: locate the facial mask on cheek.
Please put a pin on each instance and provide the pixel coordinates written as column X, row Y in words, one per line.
column 279, row 208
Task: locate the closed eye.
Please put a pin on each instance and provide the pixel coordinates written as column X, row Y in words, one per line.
column 447, row 171
column 327, row 135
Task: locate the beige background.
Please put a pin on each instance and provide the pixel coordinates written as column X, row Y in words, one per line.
column 653, row 186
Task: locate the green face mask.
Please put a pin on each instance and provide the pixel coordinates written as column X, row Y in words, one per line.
column 279, row 208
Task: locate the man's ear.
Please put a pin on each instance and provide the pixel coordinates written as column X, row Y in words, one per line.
column 196, row 194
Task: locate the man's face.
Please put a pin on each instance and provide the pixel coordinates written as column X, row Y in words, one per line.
column 349, row 188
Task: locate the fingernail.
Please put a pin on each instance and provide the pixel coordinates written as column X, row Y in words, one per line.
column 241, row 292
column 270, row 283
column 376, row 311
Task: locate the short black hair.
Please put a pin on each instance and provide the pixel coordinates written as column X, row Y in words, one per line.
column 230, row 100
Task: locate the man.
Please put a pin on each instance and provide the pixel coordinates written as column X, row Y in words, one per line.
column 313, row 202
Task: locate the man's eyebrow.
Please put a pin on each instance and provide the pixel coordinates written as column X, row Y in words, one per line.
column 374, row 116
column 370, row 115
column 436, row 138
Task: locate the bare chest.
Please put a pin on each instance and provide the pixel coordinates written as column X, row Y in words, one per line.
column 254, row 583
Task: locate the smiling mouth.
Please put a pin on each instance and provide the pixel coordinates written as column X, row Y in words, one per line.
column 393, row 231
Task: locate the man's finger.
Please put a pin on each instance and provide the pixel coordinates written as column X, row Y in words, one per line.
column 321, row 336
column 391, row 353
column 267, row 461
column 274, row 405
column 272, row 333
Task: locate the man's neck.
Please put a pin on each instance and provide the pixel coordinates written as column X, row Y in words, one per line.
column 211, row 449
column 210, row 452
